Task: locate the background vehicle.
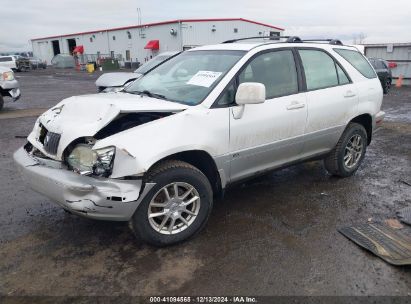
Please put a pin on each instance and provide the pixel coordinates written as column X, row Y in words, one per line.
column 383, row 70
column 156, row 153
column 63, row 61
column 8, row 85
column 15, row 62
column 36, row 63
column 110, row 82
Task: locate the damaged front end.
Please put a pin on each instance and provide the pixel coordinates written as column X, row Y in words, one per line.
column 102, row 183
column 90, row 196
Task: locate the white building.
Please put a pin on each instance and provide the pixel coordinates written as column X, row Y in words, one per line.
column 140, row 42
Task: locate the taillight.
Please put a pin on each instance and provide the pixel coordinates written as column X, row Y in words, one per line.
column 392, row 65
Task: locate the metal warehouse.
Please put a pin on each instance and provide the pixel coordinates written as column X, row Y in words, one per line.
column 141, row 42
column 399, row 53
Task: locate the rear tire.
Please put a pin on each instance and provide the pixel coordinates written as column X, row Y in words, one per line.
column 165, row 217
column 349, row 152
column 1, row 102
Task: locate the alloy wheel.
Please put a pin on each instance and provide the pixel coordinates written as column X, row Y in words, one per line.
column 174, row 208
column 353, row 151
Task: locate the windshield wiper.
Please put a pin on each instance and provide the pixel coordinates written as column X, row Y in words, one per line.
column 147, row 93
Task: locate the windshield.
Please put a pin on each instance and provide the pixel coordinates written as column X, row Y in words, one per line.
column 187, row 78
column 152, row 63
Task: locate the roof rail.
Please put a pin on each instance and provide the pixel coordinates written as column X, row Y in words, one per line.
column 289, row 39
column 258, row 37
column 330, row 41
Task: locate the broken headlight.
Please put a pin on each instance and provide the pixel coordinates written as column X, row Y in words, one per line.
column 86, row 161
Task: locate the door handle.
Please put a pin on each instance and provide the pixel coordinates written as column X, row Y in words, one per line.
column 295, row 105
column 349, row 94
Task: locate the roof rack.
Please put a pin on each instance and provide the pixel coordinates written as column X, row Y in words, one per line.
column 259, row 37
column 289, row 39
column 330, row 41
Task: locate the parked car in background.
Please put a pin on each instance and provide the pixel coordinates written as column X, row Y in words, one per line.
column 36, row 63
column 158, row 152
column 15, row 62
column 63, row 61
column 9, row 86
column 382, row 67
column 112, row 82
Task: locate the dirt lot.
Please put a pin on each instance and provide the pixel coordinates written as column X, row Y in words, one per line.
column 274, row 235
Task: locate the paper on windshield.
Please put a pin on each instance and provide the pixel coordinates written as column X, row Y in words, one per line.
column 204, row 78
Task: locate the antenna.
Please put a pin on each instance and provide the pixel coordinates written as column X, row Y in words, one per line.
column 139, row 23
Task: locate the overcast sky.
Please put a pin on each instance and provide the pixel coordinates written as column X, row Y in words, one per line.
column 379, row 21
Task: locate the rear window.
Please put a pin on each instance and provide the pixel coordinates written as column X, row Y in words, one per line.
column 4, row 59
column 357, row 60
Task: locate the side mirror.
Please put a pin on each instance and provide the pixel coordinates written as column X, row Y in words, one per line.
column 250, row 93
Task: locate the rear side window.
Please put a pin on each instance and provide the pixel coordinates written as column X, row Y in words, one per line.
column 276, row 70
column 357, row 60
column 4, row 59
column 319, row 69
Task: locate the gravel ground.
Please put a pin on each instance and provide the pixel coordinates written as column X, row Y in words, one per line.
column 273, row 235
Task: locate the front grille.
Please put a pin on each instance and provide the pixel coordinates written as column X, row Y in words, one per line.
column 49, row 140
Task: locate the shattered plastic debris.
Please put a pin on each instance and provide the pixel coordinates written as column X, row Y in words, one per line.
column 405, row 215
column 389, row 244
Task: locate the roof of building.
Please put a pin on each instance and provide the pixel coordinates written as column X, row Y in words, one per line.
column 404, row 44
column 160, row 23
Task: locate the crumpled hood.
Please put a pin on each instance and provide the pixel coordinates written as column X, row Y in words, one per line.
column 83, row 116
column 117, row 79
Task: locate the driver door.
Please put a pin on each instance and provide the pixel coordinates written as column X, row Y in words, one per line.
column 265, row 136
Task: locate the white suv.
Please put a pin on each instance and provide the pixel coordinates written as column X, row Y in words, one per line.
column 157, row 153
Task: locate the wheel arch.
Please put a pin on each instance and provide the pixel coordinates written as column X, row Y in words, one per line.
column 366, row 121
column 202, row 161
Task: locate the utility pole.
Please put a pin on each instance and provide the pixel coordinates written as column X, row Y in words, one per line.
column 139, row 23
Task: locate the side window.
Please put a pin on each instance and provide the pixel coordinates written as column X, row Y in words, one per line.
column 228, row 96
column 319, row 69
column 276, row 70
column 342, row 77
column 357, row 60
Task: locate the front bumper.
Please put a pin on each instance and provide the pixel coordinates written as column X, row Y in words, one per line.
column 97, row 198
column 378, row 120
column 12, row 88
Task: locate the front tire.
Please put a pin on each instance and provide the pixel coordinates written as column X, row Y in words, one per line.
column 176, row 208
column 348, row 154
column 1, row 102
